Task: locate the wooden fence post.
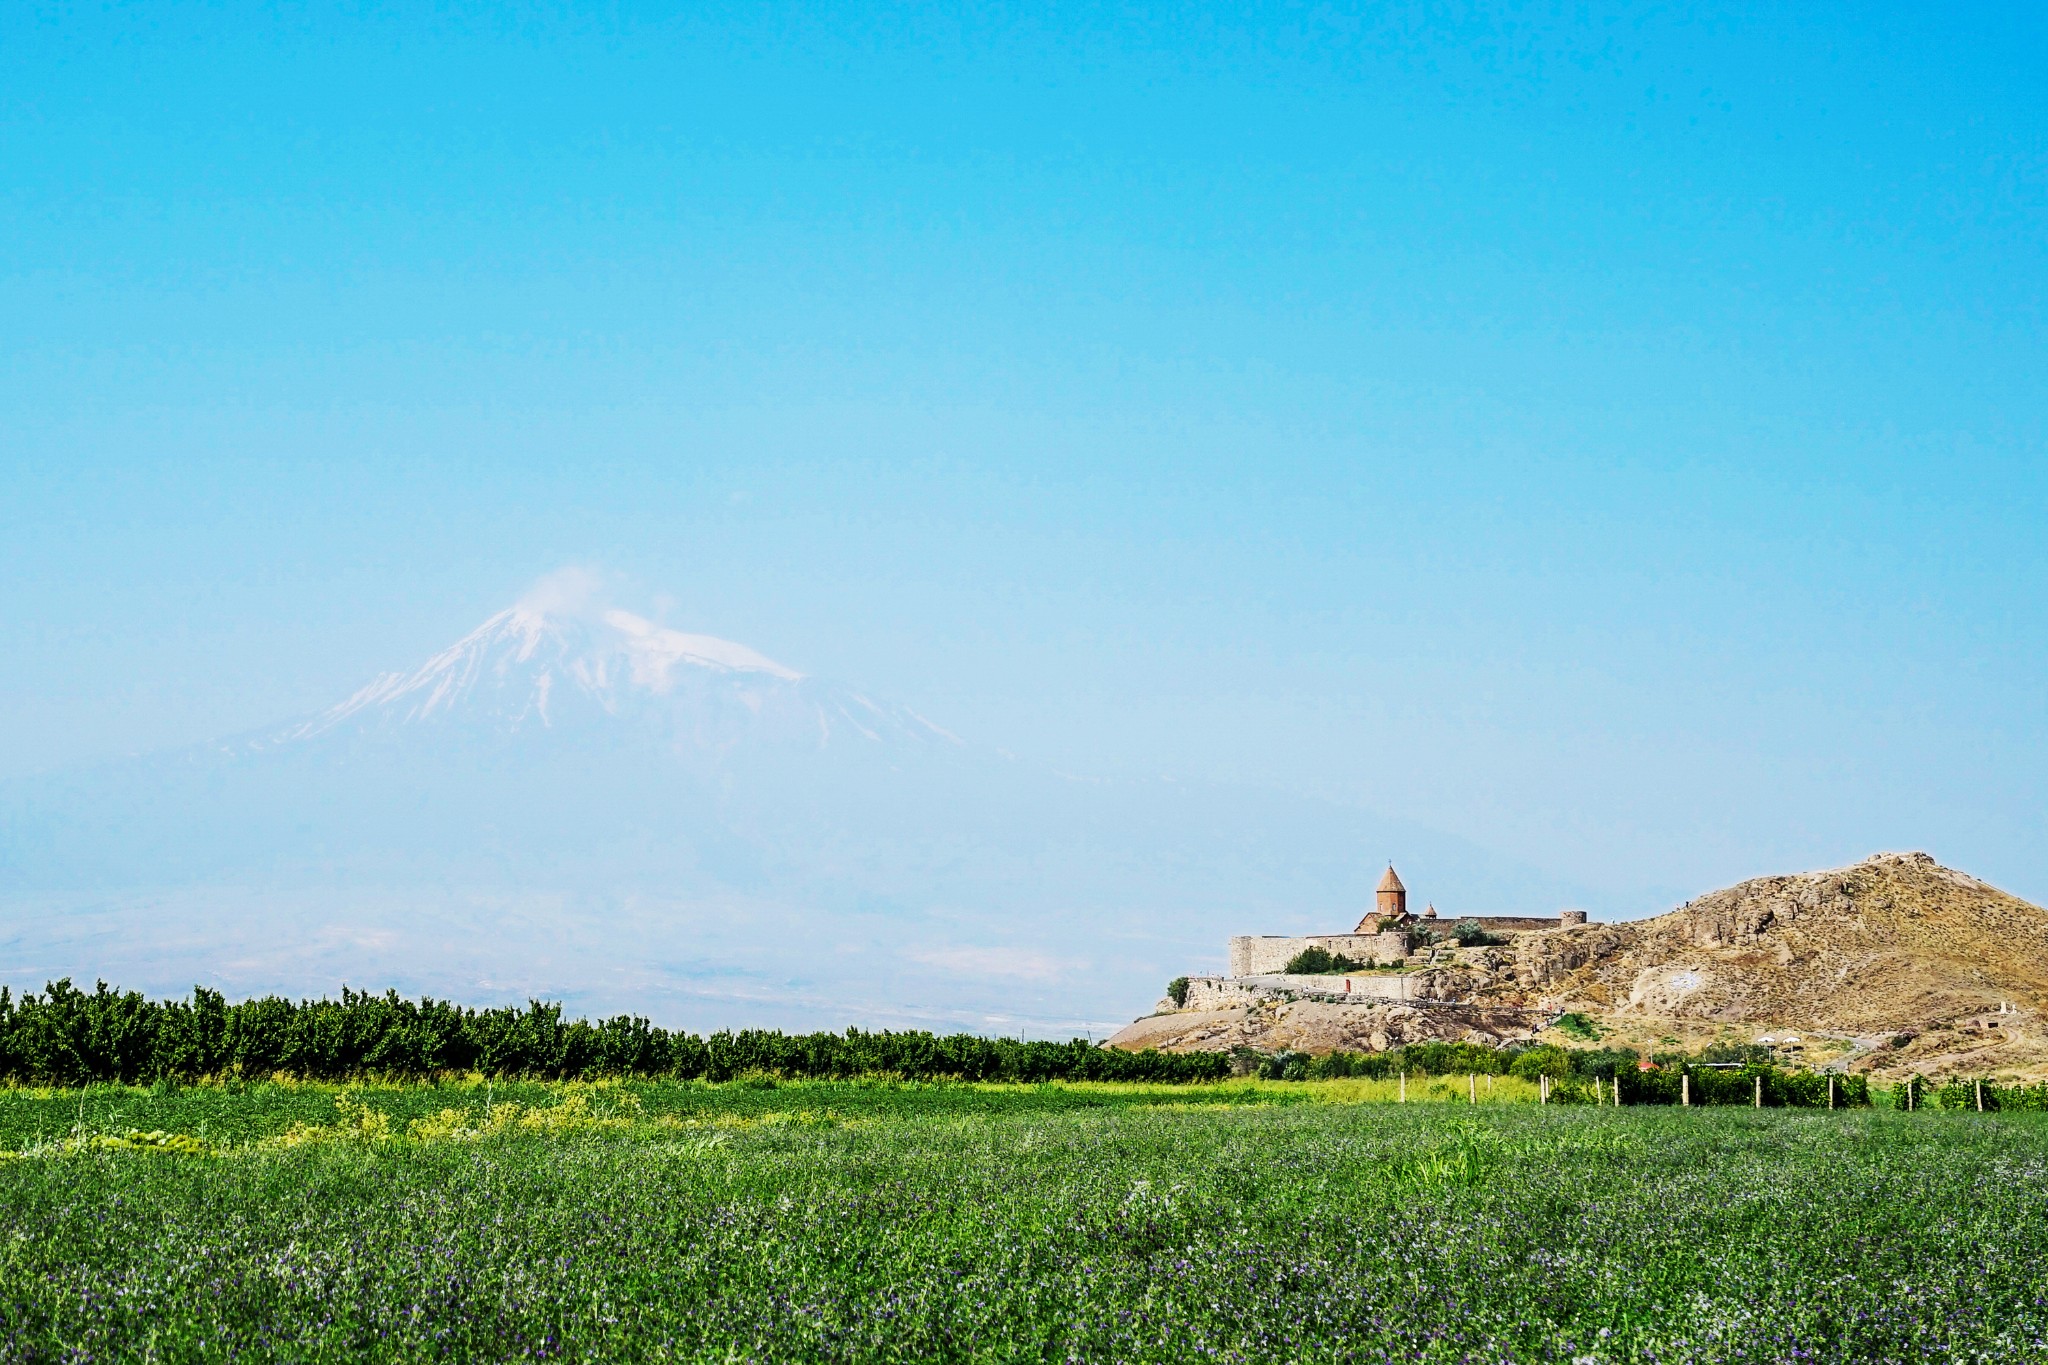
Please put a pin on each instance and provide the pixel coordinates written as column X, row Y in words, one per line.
column 1759, row 1092
column 1980, row 1095
column 1831, row 1092
column 1472, row 1086
column 1685, row 1090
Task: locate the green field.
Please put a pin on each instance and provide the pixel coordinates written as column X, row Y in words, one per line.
column 870, row 1221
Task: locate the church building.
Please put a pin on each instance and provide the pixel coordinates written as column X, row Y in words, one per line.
column 1388, row 934
column 1390, row 910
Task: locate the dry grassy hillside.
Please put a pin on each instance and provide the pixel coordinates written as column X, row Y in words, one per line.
column 1894, row 945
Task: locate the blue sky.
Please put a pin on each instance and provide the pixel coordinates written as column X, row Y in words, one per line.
column 1615, row 436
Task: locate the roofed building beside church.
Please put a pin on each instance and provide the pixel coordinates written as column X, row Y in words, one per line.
column 1385, row 936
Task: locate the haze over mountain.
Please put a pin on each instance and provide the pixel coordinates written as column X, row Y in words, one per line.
column 575, row 801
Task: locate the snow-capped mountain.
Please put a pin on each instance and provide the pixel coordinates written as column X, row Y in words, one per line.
column 511, row 666
column 531, row 667
column 577, row 802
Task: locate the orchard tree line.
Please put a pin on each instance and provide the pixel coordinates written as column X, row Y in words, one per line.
column 67, row 1037
column 64, row 1036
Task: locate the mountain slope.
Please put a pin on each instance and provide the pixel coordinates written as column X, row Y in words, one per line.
column 574, row 801
column 528, row 668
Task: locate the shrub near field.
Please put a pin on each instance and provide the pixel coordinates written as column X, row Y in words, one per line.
column 851, row 1222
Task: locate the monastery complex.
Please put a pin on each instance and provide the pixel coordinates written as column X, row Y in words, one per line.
column 1385, row 945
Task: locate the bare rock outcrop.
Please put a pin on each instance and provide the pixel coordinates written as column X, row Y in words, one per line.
column 1321, row 1026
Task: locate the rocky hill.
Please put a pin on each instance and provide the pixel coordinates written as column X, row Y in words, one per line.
column 1894, row 964
column 1894, row 945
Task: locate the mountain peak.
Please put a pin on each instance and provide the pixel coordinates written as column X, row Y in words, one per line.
column 526, row 661
column 660, row 649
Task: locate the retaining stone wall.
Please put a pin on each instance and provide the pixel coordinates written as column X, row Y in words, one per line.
column 1216, row 992
column 1266, row 954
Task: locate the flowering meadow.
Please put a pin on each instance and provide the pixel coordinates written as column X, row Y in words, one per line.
column 851, row 1221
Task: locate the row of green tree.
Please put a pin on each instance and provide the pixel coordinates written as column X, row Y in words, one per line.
column 67, row 1037
column 1965, row 1094
column 1722, row 1073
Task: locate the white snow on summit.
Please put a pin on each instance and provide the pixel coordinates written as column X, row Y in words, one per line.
column 523, row 660
column 656, row 649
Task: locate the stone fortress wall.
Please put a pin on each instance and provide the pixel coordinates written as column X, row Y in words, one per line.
column 1258, row 961
column 1266, row 954
column 1217, row 992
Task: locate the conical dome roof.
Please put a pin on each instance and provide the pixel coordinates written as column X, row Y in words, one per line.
column 1390, row 882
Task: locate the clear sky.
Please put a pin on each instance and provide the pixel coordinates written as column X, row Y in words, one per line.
column 1613, row 435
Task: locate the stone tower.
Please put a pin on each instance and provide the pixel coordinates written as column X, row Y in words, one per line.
column 1393, row 897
